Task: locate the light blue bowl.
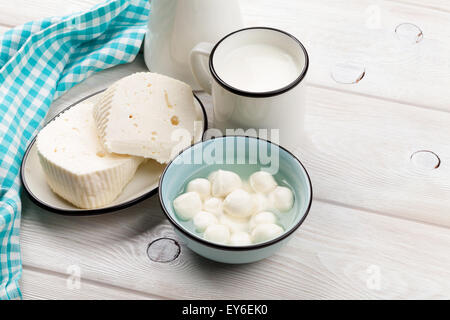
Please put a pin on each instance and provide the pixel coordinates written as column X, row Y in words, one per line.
column 237, row 153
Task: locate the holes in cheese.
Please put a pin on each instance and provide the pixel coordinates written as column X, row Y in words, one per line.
column 158, row 114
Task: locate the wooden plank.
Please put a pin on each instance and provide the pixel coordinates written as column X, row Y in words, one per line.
column 46, row 285
column 337, row 253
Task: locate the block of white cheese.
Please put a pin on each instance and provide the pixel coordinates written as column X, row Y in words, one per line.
column 147, row 115
column 75, row 164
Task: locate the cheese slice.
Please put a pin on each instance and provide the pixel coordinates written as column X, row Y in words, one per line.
column 75, row 164
column 147, row 115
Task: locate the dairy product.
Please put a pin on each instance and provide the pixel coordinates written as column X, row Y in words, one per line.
column 90, row 152
column 187, row 205
column 75, row 164
column 224, row 182
column 281, row 198
column 204, row 219
column 239, row 203
column 201, row 186
column 262, row 181
column 240, row 239
column 266, row 231
column 261, row 202
column 217, row 233
column 235, row 224
column 237, row 212
column 262, row 217
column 213, row 205
column 258, row 67
column 147, row 115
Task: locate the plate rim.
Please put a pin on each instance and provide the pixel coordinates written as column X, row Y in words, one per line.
column 96, row 211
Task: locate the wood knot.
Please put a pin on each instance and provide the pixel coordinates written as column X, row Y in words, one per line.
column 163, row 250
column 426, row 159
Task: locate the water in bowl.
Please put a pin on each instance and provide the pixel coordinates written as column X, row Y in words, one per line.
column 284, row 219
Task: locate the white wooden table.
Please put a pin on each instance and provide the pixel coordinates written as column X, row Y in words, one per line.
column 379, row 224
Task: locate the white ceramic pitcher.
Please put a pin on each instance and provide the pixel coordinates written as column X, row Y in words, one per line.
column 176, row 26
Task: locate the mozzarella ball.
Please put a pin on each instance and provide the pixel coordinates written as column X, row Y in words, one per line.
column 217, row 233
column 213, row 205
column 201, row 186
column 246, row 186
column 235, row 224
column 211, row 176
column 261, row 202
column 262, row 182
column 281, row 199
column 262, row 217
column 239, row 203
column 240, row 239
column 204, row 219
column 224, row 182
column 266, row 231
column 187, row 205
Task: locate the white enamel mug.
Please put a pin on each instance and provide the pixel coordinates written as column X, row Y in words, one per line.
column 235, row 106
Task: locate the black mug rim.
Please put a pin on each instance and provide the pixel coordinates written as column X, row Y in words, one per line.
column 262, row 94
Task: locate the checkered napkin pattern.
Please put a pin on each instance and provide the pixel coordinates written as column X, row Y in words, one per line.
column 39, row 61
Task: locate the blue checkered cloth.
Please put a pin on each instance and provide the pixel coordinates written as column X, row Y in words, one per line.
column 38, row 62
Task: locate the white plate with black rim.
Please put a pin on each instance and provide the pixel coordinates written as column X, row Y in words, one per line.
column 143, row 185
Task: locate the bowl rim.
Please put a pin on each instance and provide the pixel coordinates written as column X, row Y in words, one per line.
column 261, row 94
column 194, row 237
column 96, row 211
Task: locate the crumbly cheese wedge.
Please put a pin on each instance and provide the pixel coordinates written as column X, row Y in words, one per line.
column 147, row 115
column 75, row 163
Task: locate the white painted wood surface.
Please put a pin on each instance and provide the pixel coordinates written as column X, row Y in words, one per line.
column 377, row 215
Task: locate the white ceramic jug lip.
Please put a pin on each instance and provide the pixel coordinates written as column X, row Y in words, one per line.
column 263, row 94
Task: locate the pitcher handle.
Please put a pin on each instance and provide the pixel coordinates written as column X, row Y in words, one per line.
column 196, row 59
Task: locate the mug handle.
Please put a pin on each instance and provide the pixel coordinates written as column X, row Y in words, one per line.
column 200, row 73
